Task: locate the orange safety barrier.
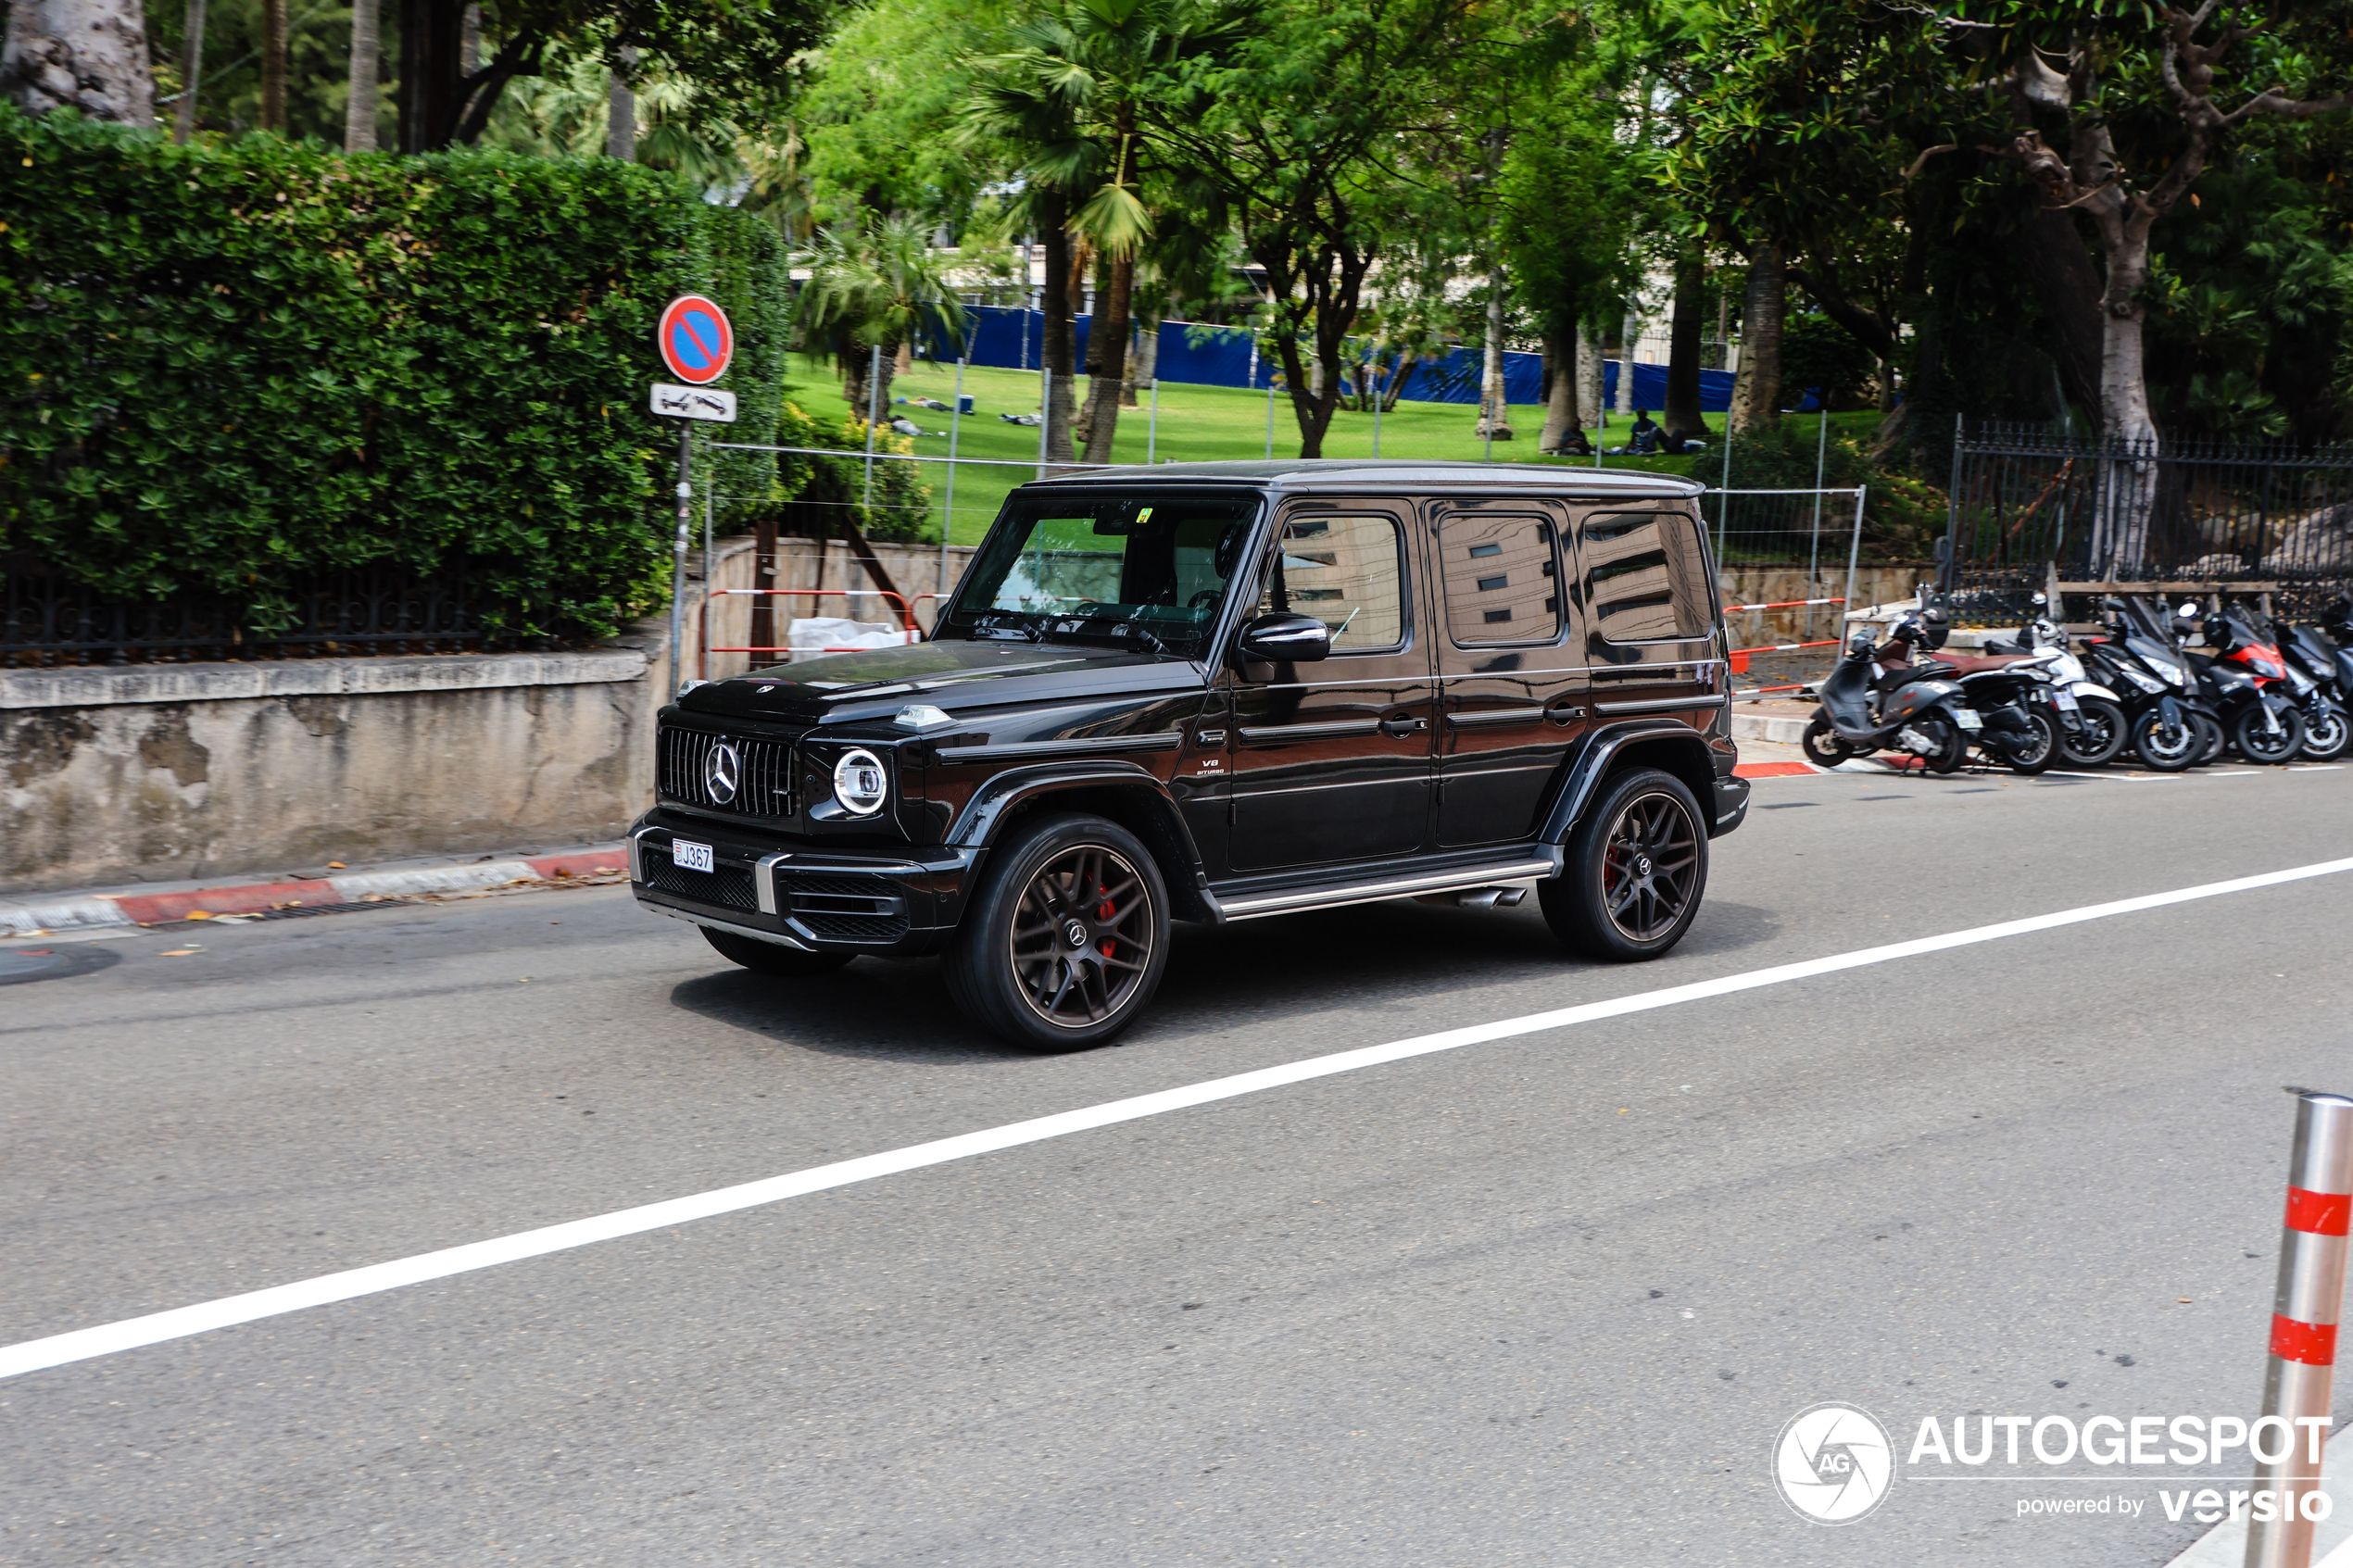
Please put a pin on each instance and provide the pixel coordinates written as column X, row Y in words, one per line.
column 1740, row 655
column 1782, row 603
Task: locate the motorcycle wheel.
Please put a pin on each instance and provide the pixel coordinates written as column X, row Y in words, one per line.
column 1952, row 745
column 2265, row 746
column 1822, row 745
column 2326, row 735
column 2163, row 751
column 2037, row 756
column 2104, row 734
column 2211, row 739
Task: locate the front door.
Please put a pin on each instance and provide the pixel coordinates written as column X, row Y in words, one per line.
column 1332, row 760
column 1511, row 675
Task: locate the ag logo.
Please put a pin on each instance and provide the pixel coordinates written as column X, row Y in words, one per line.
column 1833, row 1464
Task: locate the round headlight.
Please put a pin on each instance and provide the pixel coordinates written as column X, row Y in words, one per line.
column 859, row 784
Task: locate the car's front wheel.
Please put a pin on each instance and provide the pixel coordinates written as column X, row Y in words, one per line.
column 1063, row 942
column 1634, row 872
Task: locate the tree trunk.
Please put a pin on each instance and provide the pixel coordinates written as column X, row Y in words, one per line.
column 1495, row 400
column 88, row 55
column 1590, row 380
column 1143, row 366
column 1682, row 411
column 621, row 113
column 273, row 66
column 1109, row 337
column 1058, row 335
column 360, row 111
column 1757, row 394
column 1629, row 332
column 1560, row 388
column 184, row 118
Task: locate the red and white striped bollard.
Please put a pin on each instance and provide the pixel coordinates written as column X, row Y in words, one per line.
column 2305, row 1309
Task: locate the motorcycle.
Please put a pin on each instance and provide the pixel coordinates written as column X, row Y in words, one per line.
column 1991, row 706
column 2092, row 725
column 2013, row 694
column 1865, row 705
column 2263, row 726
column 2319, row 692
column 2167, row 723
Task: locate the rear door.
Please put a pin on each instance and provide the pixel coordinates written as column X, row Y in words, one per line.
column 1649, row 611
column 1332, row 760
column 1511, row 674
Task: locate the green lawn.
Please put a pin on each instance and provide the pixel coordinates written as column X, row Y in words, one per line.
column 1196, row 424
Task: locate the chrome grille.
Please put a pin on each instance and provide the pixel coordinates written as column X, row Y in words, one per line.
column 764, row 790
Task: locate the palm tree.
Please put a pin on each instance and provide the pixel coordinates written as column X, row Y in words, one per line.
column 1066, row 95
column 878, row 285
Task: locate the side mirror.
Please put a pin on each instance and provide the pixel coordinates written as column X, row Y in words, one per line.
column 1280, row 639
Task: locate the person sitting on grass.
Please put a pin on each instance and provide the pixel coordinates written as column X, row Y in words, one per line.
column 1643, row 437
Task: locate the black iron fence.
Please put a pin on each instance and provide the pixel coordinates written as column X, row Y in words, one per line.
column 2033, row 507
column 47, row 620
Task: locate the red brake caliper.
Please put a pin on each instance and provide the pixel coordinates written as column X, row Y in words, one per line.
column 1104, row 911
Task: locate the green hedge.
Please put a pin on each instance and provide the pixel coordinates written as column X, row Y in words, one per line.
column 230, row 365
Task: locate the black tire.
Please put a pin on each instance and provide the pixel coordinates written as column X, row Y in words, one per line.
column 1821, row 743
column 1635, row 871
column 2263, row 746
column 2164, row 750
column 2327, row 735
column 767, row 958
column 2105, row 731
column 2211, row 739
column 1952, row 743
column 2044, row 751
column 1012, row 965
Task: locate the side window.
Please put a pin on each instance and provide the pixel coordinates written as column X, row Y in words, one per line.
column 1346, row 571
column 1645, row 577
column 1498, row 574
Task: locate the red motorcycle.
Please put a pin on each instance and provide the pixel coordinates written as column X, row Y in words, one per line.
column 2263, row 726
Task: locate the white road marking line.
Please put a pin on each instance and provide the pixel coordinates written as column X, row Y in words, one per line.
column 81, row 1344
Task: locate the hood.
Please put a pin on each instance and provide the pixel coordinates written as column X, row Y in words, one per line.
column 960, row 677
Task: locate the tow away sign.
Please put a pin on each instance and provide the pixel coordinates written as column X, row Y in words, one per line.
column 694, row 403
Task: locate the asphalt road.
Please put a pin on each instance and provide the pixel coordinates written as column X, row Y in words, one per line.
column 1546, row 1301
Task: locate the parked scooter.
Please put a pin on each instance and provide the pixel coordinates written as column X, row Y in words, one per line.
column 2264, row 725
column 2012, row 694
column 1861, row 712
column 2092, row 726
column 2314, row 686
column 2140, row 658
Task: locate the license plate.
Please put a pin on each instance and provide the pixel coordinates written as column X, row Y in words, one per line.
column 1968, row 719
column 2066, row 701
column 689, row 855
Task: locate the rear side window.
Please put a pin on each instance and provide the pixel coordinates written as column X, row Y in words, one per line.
column 1645, row 577
column 1499, row 578
column 1346, row 571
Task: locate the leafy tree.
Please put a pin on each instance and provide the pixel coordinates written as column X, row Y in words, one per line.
column 875, row 287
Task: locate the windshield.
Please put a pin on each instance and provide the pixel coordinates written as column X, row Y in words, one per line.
column 1144, row 572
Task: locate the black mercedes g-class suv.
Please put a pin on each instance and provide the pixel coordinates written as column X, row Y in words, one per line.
column 1215, row 692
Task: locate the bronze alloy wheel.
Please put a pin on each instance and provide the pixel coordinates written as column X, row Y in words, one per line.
column 1064, row 934
column 1634, row 873
column 1649, row 868
column 1083, row 936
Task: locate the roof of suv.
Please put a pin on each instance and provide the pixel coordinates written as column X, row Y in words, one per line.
column 1300, row 474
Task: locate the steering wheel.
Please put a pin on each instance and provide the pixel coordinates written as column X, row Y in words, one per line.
column 1211, row 596
column 1086, row 607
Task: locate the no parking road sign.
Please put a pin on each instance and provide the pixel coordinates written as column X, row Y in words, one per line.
column 695, row 339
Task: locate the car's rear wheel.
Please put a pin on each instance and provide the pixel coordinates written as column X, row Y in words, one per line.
column 1635, row 870
column 1063, row 943
column 769, row 958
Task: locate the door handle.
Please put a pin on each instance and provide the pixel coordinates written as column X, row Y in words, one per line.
column 1564, row 713
column 1399, row 725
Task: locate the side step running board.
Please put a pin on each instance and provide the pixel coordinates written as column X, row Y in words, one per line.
column 1395, row 887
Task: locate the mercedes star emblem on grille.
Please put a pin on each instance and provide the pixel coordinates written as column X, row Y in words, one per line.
column 722, row 771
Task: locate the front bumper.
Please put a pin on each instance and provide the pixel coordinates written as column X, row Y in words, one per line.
column 825, row 901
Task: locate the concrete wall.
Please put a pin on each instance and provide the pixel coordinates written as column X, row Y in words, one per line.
column 167, row 771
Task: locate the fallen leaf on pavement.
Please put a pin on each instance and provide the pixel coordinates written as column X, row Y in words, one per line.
column 180, row 953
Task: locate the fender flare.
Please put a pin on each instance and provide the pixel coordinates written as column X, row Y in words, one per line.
column 1603, row 746
column 1163, row 828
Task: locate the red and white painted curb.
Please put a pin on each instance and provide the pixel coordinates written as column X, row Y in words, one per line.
column 80, row 911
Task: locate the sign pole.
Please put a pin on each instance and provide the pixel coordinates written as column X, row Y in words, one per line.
column 1151, row 430
column 678, row 560
column 1380, row 395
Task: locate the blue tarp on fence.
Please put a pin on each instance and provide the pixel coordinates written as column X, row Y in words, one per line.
column 1210, row 356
